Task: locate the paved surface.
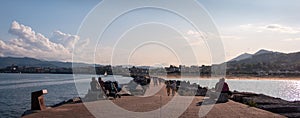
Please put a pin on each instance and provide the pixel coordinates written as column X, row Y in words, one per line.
column 156, row 106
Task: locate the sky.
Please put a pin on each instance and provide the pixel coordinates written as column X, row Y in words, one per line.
column 50, row 30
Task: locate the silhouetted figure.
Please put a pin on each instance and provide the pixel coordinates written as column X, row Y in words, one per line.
column 177, row 85
column 221, row 93
column 94, row 85
column 101, row 83
column 112, row 89
column 222, row 87
column 173, row 87
column 117, row 86
column 168, row 87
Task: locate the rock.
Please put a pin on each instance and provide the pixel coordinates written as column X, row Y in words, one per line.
column 275, row 105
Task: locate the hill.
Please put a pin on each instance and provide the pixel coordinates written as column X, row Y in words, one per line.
column 241, row 57
column 32, row 62
column 265, row 60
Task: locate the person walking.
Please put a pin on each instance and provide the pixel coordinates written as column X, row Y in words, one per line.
column 168, row 87
column 173, row 86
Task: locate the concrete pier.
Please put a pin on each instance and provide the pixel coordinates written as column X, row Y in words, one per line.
column 229, row 109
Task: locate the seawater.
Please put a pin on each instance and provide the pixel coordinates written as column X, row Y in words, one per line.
column 284, row 89
column 15, row 89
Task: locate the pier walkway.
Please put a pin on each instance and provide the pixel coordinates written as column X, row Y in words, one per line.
column 155, row 106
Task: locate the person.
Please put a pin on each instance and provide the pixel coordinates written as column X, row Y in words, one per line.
column 94, row 84
column 221, row 92
column 112, row 89
column 168, row 87
column 177, row 85
column 117, row 86
column 101, row 83
column 222, row 87
column 173, row 85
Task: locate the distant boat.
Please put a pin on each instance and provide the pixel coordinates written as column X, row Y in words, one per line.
column 105, row 74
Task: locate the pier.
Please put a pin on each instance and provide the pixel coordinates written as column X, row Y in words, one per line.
column 229, row 109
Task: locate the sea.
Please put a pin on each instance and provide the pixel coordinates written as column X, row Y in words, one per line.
column 15, row 89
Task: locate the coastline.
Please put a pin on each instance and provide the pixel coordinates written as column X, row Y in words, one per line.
column 237, row 77
column 263, row 77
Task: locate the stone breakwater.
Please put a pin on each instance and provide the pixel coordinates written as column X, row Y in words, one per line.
column 229, row 109
column 272, row 104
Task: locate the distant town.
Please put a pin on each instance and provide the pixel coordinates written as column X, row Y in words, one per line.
column 108, row 69
column 172, row 70
column 261, row 63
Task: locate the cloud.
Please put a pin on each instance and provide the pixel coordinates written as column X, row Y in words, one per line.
column 67, row 40
column 281, row 28
column 291, row 39
column 29, row 43
column 271, row 27
column 196, row 34
column 194, row 37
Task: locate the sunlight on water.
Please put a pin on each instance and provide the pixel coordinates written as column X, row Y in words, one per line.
column 285, row 89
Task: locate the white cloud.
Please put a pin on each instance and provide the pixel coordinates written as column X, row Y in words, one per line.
column 195, row 37
column 271, row 27
column 281, row 28
column 29, row 43
column 291, row 39
column 247, row 26
column 196, row 34
column 67, row 40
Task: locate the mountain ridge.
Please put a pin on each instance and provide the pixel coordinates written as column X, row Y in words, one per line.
column 33, row 62
column 248, row 55
column 265, row 60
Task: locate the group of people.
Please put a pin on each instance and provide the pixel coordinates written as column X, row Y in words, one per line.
column 106, row 88
column 221, row 89
column 171, row 85
column 97, row 85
